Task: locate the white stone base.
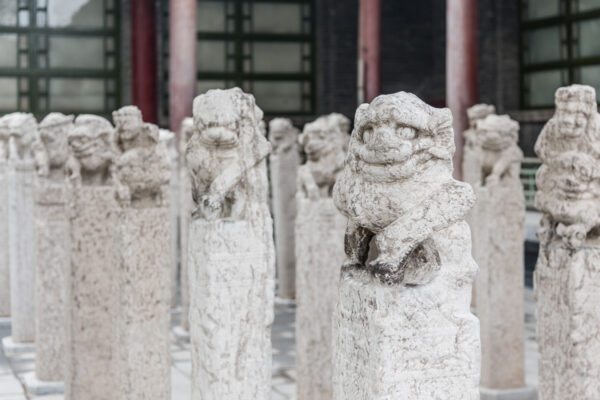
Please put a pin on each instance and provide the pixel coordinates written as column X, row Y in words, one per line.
column 4, row 322
column 525, row 393
column 39, row 388
column 12, row 349
column 417, row 342
column 181, row 334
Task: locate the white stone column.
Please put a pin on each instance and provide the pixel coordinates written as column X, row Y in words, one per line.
column 92, row 287
column 283, row 166
column 403, row 327
column 319, row 254
column 231, row 311
column 53, row 243
column 4, row 268
column 143, row 311
column 182, row 331
column 567, row 276
column 21, row 247
column 92, row 293
column 141, row 175
column 231, row 256
column 167, row 139
column 498, row 235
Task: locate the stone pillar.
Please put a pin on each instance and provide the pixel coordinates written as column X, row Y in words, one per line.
column 4, row 268
column 403, row 327
column 283, row 164
column 497, row 222
column 22, row 131
column 141, row 178
column 167, row 139
column 92, row 290
column 53, row 246
column 567, row 277
column 231, row 256
column 21, row 247
column 185, row 198
column 320, row 252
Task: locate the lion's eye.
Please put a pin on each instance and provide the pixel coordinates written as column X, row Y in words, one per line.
column 406, row 132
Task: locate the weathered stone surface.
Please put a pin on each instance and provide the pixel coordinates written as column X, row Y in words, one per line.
column 231, row 256
column 497, row 223
column 319, row 255
column 185, row 198
column 167, row 140
column 283, row 164
column 143, row 310
column 53, row 246
column 91, row 350
column 231, row 310
column 567, row 276
column 92, row 288
column 403, row 326
column 4, row 268
column 142, row 173
column 22, row 132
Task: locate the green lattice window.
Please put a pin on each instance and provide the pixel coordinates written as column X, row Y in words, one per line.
column 59, row 55
column 560, row 46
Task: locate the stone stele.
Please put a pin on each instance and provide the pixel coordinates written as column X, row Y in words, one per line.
column 403, row 327
column 497, row 224
column 141, row 178
column 4, row 268
column 22, row 132
column 53, row 246
column 92, row 288
column 567, row 273
column 283, row 165
column 231, row 256
column 319, row 253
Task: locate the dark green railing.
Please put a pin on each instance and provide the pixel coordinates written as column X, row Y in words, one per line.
column 529, row 167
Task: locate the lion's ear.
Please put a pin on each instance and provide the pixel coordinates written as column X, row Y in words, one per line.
column 361, row 111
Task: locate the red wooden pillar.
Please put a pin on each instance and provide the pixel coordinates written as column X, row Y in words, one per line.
column 369, row 50
column 461, row 68
column 143, row 55
column 182, row 61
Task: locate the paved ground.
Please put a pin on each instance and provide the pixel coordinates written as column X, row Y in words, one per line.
column 284, row 377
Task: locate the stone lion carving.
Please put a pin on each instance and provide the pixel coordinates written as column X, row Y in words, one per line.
column 397, row 187
column 282, row 135
column 324, row 142
column 92, row 151
column 20, row 133
column 142, row 170
column 226, row 157
column 52, row 145
column 500, row 156
column 471, row 149
column 568, row 181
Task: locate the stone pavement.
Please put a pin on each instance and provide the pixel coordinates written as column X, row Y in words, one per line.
column 284, row 376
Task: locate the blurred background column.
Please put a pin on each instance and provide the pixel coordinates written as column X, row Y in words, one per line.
column 182, row 61
column 461, row 68
column 143, row 58
column 369, row 70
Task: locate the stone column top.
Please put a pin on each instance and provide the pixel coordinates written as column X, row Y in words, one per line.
column 142, row 169
column 397, row 185
column 324, row 141
column 568, row 182
column 225, row 156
